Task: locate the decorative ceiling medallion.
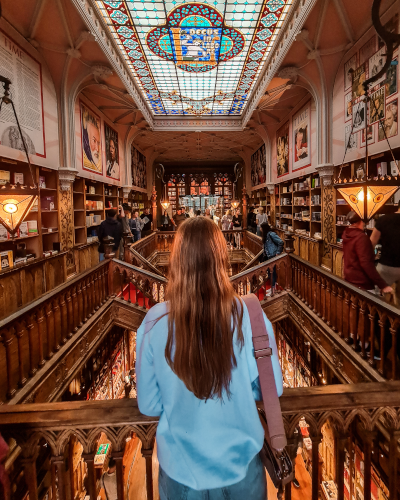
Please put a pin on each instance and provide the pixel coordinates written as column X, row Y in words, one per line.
column 195, row 38
column 196, row 48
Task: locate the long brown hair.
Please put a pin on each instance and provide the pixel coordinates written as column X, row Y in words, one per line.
column 204, row 310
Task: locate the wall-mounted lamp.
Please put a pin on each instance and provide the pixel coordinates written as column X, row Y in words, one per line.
column 160, row 171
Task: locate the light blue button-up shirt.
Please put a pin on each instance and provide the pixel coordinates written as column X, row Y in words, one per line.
column 201, row 444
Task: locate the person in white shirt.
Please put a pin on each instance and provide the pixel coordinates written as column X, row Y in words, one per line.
column 261, row 217
column 108, row 481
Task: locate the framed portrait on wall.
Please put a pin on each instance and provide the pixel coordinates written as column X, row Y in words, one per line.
column 359, row 77
column 358, row 116
column 377, row 106
column 376, row 63
column 350, row 140
column 91, row 140
column 282, row 150
column 349, row 68
column 371, row 135
column 348, row 107
column 258, row 167
column 368, row 49
column 112, row 152
column 390, row 124
column 138, row 168
column 391, row 78
column 301, row 138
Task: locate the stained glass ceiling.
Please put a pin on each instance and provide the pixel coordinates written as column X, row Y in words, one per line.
column 195, row 58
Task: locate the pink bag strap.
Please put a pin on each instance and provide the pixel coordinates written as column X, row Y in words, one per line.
column 263, row 353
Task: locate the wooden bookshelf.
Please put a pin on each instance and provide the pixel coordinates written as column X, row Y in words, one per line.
column 44, row 241
column 298, row 210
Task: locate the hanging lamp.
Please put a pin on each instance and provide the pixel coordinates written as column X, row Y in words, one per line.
column 238, row 170
column 16, row 200
column 365, row 194
column 164, row 202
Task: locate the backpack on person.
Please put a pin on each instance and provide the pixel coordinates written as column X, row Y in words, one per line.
column 273, row 454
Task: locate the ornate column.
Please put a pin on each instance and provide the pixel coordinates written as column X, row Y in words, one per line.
column 244, row 203
column 66, row 178
column 30, row 472
column 326, row 172
column 126, row 191
column 89, row 459
column 315, row 466
column 154, row 206
column 118, row 456
column 59, row 463
column 147, row 453
column 271, row 191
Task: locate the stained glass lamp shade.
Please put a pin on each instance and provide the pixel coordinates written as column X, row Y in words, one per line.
column 165, row 204
column 14, row 208
column 376, row 196
column 235, row 204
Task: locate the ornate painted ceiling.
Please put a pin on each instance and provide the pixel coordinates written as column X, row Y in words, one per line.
column 195, row 58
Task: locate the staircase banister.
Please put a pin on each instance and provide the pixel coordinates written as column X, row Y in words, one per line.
column 268, row 263
column 145, row 261
column 87, row 414
column 366, row 295
column 139, row 269
column 252, row 262
column 48, row 296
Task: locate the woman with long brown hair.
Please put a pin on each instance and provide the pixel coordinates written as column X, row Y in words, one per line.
column 196, row 370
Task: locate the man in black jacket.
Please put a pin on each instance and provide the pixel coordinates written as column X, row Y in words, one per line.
column 110, row 227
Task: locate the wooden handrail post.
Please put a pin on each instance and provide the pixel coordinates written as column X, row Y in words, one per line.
column 118, row 457
column 60, row 471
column 127, row 239
column 316, row 440
column 89, row 459
column 30, row 472
column 147, row 453
column 289, row 242
column 340, row 458
column 393, row 464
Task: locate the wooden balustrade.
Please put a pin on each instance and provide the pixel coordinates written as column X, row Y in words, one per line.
column 362, row 319
column 259, row 279
column 356, row 413
column 31, row 336
column 252, row 242
column 136, row 286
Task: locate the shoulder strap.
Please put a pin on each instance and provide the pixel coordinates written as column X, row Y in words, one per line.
column 262, row 353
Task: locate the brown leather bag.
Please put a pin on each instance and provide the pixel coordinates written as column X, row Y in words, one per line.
column 273, row 454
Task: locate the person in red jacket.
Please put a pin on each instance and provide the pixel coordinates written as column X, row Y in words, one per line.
column 359, row 258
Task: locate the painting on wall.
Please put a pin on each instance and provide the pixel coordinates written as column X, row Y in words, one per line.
column 371, row 136
column 258, row 167
column 350, row 140
column 91, row 140
column 138, row 168
column 301, row 138
column 282, row 150
column 367, row 50
column 391, row 78
column 390, row 125
column 112, row 152
column 349, row 69
column 359, row 78
column 376, row 63
column 348, row 107
column 377, row 106
column 358, row 116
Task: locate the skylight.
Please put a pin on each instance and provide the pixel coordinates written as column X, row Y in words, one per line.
column 195, row 58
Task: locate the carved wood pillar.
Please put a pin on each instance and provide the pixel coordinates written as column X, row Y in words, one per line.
column 315, row 466
column 59, row 463
column 147, row 453
column 66, row 215
column 328, row 215
column 244, row 203
column 29, row 465
column 393, row 465
column 7, row 339
column 89, row 459
column 154, row 206
column 340, row 459
column 20, row 329
column 368, row 438
column 118, row 456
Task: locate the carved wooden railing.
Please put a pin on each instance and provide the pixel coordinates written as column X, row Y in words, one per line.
column 355, row 413
column 30, row 336
column 362, row 319
column 258, row 279
column 136, row 286
column 252, row 242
